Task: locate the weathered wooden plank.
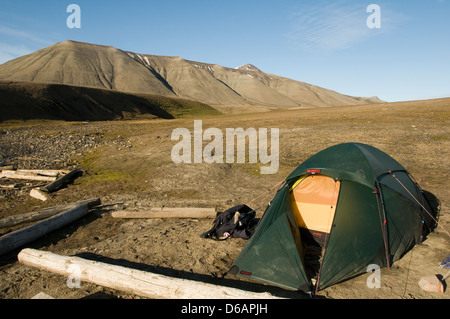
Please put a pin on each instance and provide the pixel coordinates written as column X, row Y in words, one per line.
column 167, row 212
column 38, row 194
column 26, row 175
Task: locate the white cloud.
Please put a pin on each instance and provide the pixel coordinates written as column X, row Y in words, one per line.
column 334, row 26
column 22, row 34
column 17, row 43
column 9, row 51
column 5, row 57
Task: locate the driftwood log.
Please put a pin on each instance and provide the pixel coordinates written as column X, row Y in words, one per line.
column 30, row 217
column 67, row 178
column 138, row 282
column 28, row 234
column 44, row 213
column 168, row 212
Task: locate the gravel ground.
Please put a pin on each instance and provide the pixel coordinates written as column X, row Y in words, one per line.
column 33, row 148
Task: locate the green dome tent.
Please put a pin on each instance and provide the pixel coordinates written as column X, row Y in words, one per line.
column 345, row 208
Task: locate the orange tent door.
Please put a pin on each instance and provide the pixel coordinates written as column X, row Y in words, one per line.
column 314, row 200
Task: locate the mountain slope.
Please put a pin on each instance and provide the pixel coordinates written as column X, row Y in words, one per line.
column 104, row 67
column 27, row 101
column 82, row 64
column 194, row 80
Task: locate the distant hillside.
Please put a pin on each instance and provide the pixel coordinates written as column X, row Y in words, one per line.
column 25, row 101
column 105, row 67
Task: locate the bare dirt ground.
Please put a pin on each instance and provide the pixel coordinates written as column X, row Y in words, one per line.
column 128, row 165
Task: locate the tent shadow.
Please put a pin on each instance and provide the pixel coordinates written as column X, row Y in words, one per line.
column 443, row 281
column 53, row 237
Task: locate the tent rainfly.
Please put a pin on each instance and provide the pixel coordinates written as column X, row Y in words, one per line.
column 343, row 209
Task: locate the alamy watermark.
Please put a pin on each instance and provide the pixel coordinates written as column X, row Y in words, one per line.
column 374, row 280
column 374, row 20
column 74, row 19
column 74, row 279
column 190, row 149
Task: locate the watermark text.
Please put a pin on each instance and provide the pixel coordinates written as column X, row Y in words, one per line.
column 374, row 19
column 74, row 19
column 190, row 148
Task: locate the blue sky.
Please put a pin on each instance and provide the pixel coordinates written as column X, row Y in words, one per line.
column 325, row 43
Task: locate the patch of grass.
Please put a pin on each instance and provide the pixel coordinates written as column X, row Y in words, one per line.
column 88, row 161
column 107, row 176
column 438, row 138
column 183, row 194
column 189, row 109
column 98, row 172
column 251, row 169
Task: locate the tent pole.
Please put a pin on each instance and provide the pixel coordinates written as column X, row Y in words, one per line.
column 383, row 224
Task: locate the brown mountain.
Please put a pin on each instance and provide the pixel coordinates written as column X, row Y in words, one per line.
column 104, row 67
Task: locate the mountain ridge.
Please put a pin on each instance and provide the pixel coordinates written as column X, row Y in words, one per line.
column 106, row 67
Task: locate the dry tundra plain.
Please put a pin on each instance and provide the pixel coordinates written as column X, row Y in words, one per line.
column 128, row 165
